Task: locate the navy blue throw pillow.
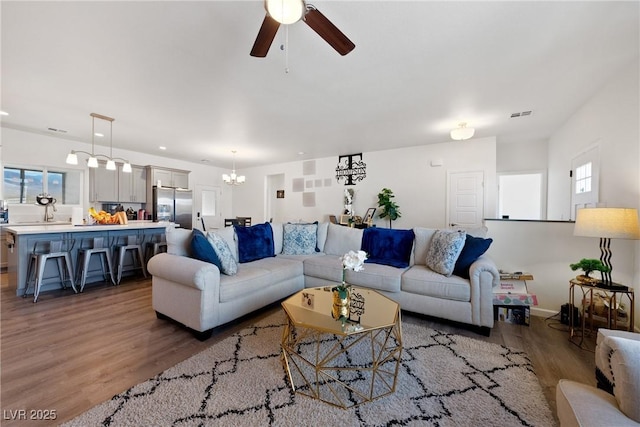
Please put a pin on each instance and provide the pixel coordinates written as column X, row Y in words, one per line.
column 201, row 248
column 255, row 242
column 388, row 247
column 473, row 249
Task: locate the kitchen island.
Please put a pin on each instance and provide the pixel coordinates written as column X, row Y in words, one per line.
column 21, row 239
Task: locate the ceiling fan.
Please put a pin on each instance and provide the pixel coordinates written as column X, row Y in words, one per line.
column 291, row 11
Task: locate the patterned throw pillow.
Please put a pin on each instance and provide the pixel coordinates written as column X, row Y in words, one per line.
column 444, row 250
column 227, row 261
column 300, row 239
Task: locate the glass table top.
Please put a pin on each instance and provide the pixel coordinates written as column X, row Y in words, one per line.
column 311, row 308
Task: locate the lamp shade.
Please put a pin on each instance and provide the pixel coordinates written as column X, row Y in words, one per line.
column 611, row 223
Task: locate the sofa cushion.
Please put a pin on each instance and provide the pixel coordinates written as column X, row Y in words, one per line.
column 341, row 239
column 276, row 229
column 421, row 280
column 300, row 239
column 227, row 260
column 257, row 275
column 473, row 248
column 179, row 241
column 374, row 276
column 387, row 246
column 201, row 248
column 421, row 243
column 229, row 236
column 255, row 242
column 444, row 250
column 323, row 228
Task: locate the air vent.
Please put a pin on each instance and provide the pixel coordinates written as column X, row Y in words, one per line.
column 521, row 114
column 57, row 130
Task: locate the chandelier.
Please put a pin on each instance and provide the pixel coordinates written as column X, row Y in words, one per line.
column 462, row 132
column 233, row 178
column 72, row 157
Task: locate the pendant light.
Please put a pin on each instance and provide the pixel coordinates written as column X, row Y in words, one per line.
column 92, row 162
column 233, row 178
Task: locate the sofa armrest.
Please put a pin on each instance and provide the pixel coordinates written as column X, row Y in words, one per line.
column 183, row 270
column 483, row 276
column 625, row 366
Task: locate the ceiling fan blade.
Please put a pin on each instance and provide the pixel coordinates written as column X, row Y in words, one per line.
column 329, row 32
column 265, row 37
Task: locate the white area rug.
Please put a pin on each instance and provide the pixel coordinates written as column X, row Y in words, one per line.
column 444, row 380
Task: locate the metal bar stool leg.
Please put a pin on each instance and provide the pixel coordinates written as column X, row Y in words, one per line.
column 67, row 260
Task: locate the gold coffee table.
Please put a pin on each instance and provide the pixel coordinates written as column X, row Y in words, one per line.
column 342, row 365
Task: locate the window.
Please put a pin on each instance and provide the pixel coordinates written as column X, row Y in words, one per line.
column 22, row 185
column 583, row 178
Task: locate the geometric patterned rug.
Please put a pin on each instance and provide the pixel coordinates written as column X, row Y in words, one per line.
column 444, row 380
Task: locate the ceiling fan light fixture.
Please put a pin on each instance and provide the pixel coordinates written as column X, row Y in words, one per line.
column 462, row 132
column 285, row 11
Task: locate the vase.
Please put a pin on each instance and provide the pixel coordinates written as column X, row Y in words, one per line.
column 341, row 303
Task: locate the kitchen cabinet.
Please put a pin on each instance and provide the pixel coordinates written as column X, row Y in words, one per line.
column 132, row 187
column 103, row 185
column 168, row 177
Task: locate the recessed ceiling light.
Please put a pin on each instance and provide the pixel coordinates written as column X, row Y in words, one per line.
column 3, row 113
column 162, row 147
column 300, row 153
column 99, row 135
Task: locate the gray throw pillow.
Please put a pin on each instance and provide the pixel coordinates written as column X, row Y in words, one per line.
column 444, row 250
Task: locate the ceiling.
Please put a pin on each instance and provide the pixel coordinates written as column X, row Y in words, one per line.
column 178, row 73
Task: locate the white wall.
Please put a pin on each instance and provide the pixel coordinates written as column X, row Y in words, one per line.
column 526, row 156
column 612, row 120
column 420, row 189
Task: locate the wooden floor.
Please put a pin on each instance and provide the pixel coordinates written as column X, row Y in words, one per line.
column 67, row 353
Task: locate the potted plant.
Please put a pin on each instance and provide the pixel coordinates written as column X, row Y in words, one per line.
column 588, row 265
column 389, row 208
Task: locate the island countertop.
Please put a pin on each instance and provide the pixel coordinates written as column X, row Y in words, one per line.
column 68, row 228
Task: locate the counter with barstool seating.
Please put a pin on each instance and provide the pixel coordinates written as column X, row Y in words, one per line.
column 21, row 241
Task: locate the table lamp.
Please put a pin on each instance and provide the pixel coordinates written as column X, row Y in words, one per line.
column 607, row 224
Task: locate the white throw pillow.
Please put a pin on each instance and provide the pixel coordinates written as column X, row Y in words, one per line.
column 222, row 250
column 444, row 250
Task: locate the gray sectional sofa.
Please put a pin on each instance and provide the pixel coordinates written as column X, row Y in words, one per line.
column 196, row 294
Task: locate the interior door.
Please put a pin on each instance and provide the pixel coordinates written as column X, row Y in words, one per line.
column 206, row 202
column 466, row 199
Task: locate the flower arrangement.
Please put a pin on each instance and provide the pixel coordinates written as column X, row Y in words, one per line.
column 352, row 260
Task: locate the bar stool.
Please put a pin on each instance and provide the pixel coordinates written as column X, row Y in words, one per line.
column 43, row 251
column 157, row 244
column 131, row 244
column 96, row 247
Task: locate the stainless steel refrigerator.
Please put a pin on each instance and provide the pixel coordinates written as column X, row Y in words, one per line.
column 173, row 205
